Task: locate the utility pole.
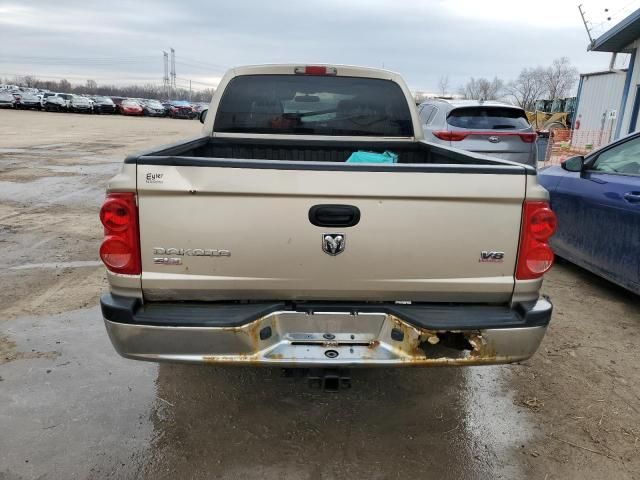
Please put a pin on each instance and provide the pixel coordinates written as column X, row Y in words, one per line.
column 189, row 90
column 584, row 20
column 173, row 70
column 165, row 79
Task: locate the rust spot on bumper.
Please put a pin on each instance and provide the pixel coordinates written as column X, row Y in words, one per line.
column 451, row 348
column 418, row 347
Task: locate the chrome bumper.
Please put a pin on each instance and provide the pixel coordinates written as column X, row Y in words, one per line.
column 304, row 339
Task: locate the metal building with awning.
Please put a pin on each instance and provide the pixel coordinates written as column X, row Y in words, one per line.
column 624, row 37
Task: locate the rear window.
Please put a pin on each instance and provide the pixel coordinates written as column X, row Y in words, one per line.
column 488, row 118
column 314, row 105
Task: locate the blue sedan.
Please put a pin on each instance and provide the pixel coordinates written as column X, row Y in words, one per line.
column 597, row 201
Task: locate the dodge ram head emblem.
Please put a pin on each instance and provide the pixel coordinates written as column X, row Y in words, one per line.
column 333, row 243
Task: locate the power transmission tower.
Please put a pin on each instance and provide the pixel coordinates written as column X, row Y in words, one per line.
column 173, row 69
column 165, row 79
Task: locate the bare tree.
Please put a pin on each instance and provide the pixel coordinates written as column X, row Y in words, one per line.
column 29, row 80
column 92, row 86
column 443, row 85
column 560, row 78
column 528, row 87
column 482, row 89
column 64, row 85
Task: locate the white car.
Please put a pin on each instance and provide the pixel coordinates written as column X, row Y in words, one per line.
column 66, row 97
column 54, row 103
column 7, row 100
column 490, row 128
column 79, row 104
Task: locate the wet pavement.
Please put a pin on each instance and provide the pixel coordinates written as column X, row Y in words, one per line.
column 71, row 408
column 75, row 409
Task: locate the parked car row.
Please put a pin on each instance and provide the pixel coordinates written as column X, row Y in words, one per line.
column 66, row 102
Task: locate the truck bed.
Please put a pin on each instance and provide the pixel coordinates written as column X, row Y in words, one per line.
column 203, row 151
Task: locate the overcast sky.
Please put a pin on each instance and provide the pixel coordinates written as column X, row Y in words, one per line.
column 122, row 42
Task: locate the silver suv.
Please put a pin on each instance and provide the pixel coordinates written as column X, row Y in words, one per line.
column 491, row 128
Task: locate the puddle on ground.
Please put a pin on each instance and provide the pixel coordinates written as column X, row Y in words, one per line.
column 492, row 419
column 6, row 151
column 107, row 166
column 51, row 145
column 55, row 265
column 82, row 190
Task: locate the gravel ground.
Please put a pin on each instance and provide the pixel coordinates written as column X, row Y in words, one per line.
column 71, row 408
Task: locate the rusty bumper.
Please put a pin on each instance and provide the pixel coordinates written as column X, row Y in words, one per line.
column 294, row 338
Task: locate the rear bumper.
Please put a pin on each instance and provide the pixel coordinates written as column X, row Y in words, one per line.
column 307, row 335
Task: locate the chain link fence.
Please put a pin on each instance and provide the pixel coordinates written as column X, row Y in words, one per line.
column 562, row 144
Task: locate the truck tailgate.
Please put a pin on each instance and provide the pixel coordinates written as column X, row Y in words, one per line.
column 222, row 233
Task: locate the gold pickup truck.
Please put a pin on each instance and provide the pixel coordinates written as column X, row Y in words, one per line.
column 284, row 235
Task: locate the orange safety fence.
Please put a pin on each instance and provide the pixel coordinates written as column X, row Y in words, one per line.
column 568, row 143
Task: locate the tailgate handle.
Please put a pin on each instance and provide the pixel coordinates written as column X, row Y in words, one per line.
column 334, row 215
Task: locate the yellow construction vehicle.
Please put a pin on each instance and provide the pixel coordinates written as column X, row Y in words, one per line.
column 552, row 114
column 543, row 121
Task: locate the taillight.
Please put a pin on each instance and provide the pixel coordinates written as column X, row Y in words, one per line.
column 115, row 214
column 535, row 256
column 450, row 136
column 528, row 137
column 542, row 222
column 457, row 136
column 315, row 70
column 120, row 249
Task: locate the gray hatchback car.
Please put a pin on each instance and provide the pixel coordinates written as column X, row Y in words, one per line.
column 491, row 128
